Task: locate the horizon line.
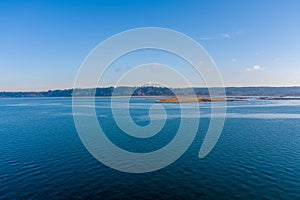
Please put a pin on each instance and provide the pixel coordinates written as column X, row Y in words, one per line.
column 47, row 90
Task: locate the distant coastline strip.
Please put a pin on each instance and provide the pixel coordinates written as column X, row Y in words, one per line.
column 265, row 93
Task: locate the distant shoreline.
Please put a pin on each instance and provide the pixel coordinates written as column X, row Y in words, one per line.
column 267, row 93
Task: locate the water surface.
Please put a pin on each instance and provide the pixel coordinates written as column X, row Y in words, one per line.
column 42, row 157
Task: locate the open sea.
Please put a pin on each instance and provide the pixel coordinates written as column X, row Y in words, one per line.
column 256, row 157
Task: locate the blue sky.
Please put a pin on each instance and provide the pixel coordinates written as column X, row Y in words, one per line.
column 253, row 42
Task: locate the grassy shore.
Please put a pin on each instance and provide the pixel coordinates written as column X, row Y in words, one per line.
column 185, row 99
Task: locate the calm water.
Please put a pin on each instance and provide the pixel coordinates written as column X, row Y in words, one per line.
column 42, row 157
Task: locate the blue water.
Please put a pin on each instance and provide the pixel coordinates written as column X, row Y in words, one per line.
column 42, row 157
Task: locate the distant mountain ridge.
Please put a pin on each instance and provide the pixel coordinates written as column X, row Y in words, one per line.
column 158, row 91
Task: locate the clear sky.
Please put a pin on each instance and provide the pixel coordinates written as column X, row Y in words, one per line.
column 253, row 42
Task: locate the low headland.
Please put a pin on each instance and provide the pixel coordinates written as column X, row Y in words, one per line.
column 188, row 99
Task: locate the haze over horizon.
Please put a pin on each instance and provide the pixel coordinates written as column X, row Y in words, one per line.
column 253, row 43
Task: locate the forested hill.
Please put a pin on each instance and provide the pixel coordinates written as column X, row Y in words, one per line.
column 158, row 91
